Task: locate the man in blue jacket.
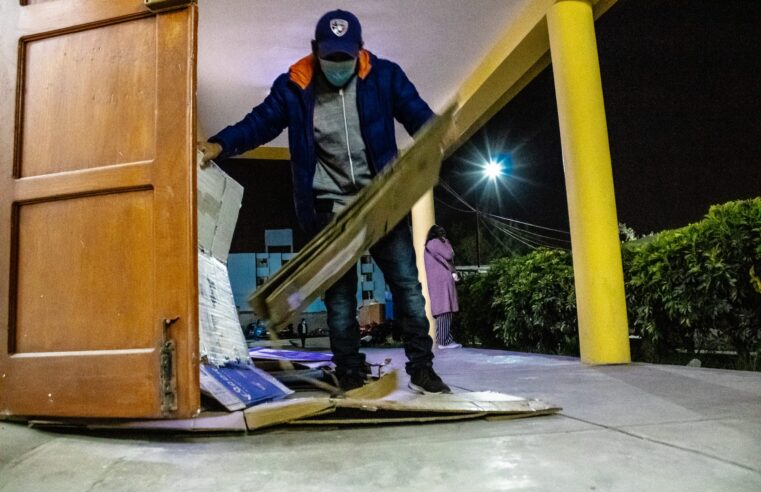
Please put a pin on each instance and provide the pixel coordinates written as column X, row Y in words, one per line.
column 339, row 104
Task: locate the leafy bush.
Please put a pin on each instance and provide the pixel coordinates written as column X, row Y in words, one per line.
column 525, row 303
column 477, row 317
column 536, row 303
column 692, row 288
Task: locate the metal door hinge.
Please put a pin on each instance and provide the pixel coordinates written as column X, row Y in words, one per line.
column 168, row 370
column 161, row 5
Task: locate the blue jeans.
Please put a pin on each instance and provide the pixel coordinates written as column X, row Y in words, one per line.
column 395, row 256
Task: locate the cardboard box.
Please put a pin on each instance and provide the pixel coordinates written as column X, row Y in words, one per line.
column 374, row 313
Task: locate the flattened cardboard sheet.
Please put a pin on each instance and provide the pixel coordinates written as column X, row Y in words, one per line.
column 344, row 417
column 204, row 422
column 284, row 411
column 381, row 402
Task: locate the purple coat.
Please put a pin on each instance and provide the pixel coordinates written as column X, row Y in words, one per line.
column 439, row 266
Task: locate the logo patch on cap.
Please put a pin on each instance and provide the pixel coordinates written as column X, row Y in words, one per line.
column 339, row 26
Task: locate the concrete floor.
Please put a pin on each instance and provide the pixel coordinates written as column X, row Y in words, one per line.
column 638, row 427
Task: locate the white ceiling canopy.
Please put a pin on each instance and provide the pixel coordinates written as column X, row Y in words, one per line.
column 245, row 44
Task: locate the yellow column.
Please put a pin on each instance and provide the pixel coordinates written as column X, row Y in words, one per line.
column 423, row 217
column 601, row 303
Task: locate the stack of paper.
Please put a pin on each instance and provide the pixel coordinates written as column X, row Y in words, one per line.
column 221, row 337
column 220, row 334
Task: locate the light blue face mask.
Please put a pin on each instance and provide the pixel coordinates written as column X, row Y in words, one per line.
column 338, row 72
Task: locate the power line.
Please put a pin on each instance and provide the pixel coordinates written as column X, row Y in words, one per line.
column 530, row 233
column 453, row 207
column 505, row 225
column 457, row 195
column 462, row 200
column 506, row 247
column 506, row 219
column 521, row 236
column 516, row 238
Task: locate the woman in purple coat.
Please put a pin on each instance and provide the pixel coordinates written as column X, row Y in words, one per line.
column 441, row 273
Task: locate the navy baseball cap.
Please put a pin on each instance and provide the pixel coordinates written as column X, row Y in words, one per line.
column 338, row 31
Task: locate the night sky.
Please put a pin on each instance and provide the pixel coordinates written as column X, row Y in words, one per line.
column 682, row 88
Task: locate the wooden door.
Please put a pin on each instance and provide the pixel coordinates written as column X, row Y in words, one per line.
column 98, row 289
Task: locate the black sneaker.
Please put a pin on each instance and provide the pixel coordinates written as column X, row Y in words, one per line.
column 426, row 381
column 351, row 380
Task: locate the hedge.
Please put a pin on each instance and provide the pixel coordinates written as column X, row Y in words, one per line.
column 691, row 288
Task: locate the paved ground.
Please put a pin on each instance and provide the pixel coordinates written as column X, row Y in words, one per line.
column 638, row 427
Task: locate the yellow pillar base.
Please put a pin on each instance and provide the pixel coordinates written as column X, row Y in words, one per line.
column 598, row 271
column 423, row 217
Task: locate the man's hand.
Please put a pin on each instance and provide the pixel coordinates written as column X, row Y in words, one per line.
column 211, row 150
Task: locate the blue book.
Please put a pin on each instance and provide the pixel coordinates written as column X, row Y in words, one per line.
column 237, row 386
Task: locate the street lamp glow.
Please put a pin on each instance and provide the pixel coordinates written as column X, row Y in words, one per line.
column 493, row 169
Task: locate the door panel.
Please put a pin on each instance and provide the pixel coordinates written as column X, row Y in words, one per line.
column 116, row 108
column 98, row 289
column 91, row 260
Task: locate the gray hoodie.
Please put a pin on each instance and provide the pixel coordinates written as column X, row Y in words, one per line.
column 342, row 168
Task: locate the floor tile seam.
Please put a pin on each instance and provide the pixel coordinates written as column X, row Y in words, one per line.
column 757, row 471
column 686, row 421
column 670, row 445
column 695, row 377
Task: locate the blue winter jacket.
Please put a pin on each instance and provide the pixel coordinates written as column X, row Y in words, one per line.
column 384, row 93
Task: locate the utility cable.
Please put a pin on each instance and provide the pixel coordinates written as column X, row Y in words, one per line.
column 518, row 230
column 524, row 239
column 506, row 219
column 459, row 197
column 453, row 207
column 503, row 224
column 531, row 246
column 497, row 238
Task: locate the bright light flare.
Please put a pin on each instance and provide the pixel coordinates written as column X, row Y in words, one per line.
column 493, row 169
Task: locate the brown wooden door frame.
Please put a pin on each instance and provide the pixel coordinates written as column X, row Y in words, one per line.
column 49, row 194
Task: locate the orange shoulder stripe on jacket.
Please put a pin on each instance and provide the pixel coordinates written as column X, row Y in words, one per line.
column 302, row 71
column 364, row 64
